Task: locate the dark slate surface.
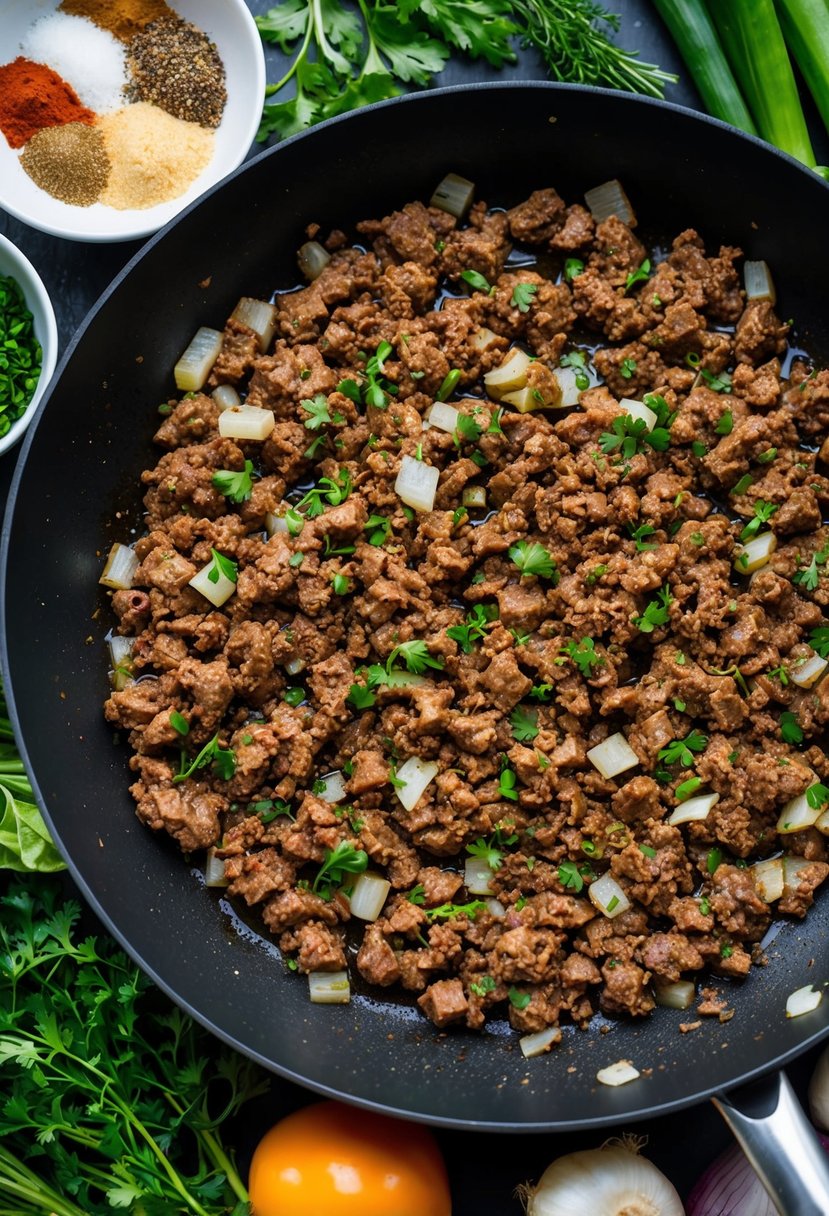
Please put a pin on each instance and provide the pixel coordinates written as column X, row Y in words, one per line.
column 483, row 1175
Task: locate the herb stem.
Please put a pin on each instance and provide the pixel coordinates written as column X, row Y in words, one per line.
column 217, row 1155
column 24, row 1184
column 270, row 89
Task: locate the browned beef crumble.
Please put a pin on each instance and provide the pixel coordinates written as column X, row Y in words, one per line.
column 340, row 597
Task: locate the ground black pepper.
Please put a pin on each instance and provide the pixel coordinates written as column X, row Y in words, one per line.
column 175, row 66
column 68, row 162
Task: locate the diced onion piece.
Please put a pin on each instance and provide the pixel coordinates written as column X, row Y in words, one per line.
column 329, row 987
column 527, row 398
column 613, row 755
column 214, row 870
column 246, row 422
column 474, row 496
column 295, row 666
column 610, row 199
column 617, row 1074
column 802, row 1000
column 495, row 908
column 417, row 483
column 510, row 376
column 312, row 259
column 120, row 568
column 822, row 824
column 120, row 650
column 797, row 815
column 415, row 775
column 443, row 416
column 477, row 876
column 570, row 391
column 226, row 396
column 755, row 553
column 258, row 315
column 195, row 364
column 219, row 592
column 638, row 409
column 792, row 867
column 608, row 896
column 679, row 995
column 275, row 523
column 758, row 281
column 482, row 338
column 454, row 194
column 768, row 878
column 693, row 809
column 536, row 1044
column 368, row 896
column 333, row 787
column 808, row 673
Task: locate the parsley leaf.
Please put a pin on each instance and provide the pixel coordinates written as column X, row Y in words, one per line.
column 790, row 729
column 540, row 692
column 522, row 296
column 638, row 535
column 518, row 1000
column 569, row 876
column 179, row 723
column 415, row 655
column 483, row 986
column 344, row 859
column 630, row 436
column 360, row 696
column 819, row 640
column 221, row 565
column 583, row 654
column 817, row 795
column 467, row 430
column 680, row 751
column 719, row 382
column 237, row 486
column 763, row 512
column 725, row 423
column 640, row 275
column 573, row 267
column 524, row 723
column 507, row 784
column 450, row 911
column 317, row 410
column 332, row 491
column 657, row 612
column 534, row 559
column 475, row 628
column 222, row 759
column 417, row 895
column 578, row 361
column 627, row 368
column 810, row 576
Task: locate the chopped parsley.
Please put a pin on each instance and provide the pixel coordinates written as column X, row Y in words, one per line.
column 179, row 723
column 638, row 534
column 417, row 895
column 540, row 692
column 522, row 296
column 294, row 696
column 573, row 267
column 656, row 613
column 790, row 729
column 524, row 723
column 361, row 696
column 450, row 911
column 333, row 491
column 415, row 656
column 819, row 640
column 482, row 986
column 237, row 486
column 583, row 655
column 222, row 759
column 647, row 850
column 344, row 859
column 477, row 621
column 699, row 449
column 507, row 784
column 763, row 512
column 810, row 576
column 680, row 750
column 629, row 435
column 492, row 851
column 718, row 382
column 467, row 430
column 627, row 369
column 713, row 861
column 221, row 565
column 341, row 584
column 378, row 528
column 518, row 1000
column 318, row 414
column 817, row 796
column 640, row 275
column 577, row 360
column 533, row 558
column 725, row 423
column 572, row 876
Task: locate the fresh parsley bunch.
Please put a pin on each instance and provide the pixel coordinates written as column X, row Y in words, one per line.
column 111, row 1097
column 345, row 58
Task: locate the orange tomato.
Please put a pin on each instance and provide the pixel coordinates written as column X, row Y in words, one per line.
column 332, row 1160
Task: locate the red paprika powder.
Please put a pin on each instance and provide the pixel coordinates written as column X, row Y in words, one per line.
column 32, row 97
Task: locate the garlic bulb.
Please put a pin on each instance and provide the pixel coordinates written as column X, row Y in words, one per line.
column 610, row 1181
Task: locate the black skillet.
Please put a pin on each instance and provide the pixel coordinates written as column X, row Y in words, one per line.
column 74, row 494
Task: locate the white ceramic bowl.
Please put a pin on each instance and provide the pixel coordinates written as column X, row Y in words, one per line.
column 230, row 25
column 13, row 263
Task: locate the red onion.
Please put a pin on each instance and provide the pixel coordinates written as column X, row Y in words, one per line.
column 730, row 1187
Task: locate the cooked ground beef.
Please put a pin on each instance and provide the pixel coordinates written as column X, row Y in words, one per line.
column 578, row 577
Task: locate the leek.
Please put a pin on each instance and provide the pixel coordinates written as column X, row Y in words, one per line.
column 805, row 25
column 751, row 36
column 693, row 32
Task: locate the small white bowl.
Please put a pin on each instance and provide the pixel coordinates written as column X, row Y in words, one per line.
column 15, row 265
column 230, row 25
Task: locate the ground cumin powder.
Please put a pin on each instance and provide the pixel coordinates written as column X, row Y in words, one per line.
column 123, row 18
column 154, row 157
column 68, row 162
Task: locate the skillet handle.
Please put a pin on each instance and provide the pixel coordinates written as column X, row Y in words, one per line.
column 769, row 1123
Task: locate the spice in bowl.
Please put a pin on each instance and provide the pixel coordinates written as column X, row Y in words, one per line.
column 20, row 354
column 113, row 103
